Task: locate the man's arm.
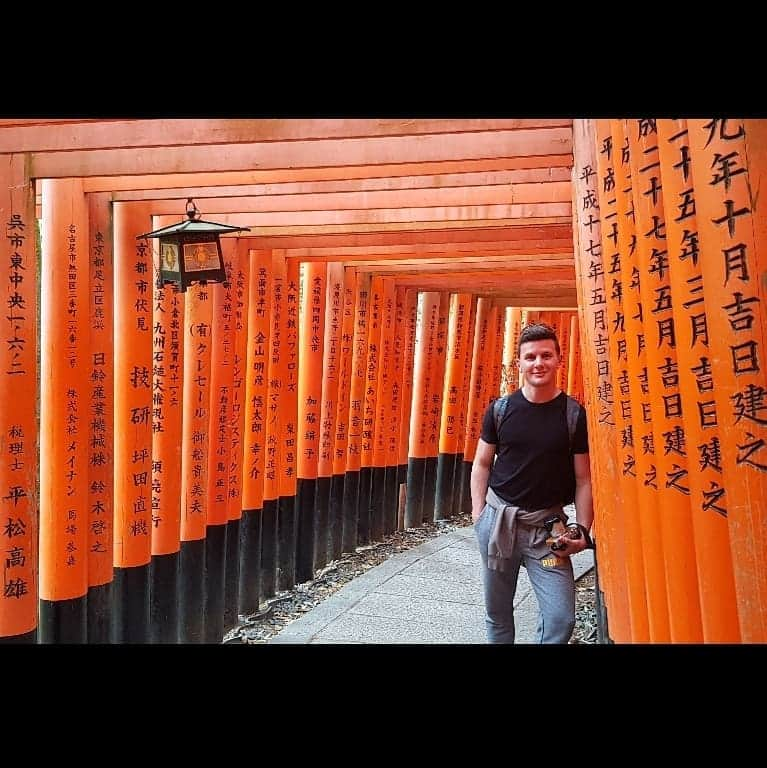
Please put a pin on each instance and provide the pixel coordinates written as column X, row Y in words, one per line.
column 480, row 476
column 584, row 506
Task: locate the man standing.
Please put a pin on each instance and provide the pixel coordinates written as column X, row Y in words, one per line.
column 525, row 471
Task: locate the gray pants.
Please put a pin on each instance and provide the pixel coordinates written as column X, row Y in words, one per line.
column 551, row 578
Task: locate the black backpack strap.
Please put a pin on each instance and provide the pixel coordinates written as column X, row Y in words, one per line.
column 573, row 411
column 499, row 408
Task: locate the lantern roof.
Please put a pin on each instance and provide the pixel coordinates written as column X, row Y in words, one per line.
column 196, row 226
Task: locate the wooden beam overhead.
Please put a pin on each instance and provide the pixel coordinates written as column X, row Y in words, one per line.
column 343, row 173
column 68, row 135
column 318, row 153
column 438, row 181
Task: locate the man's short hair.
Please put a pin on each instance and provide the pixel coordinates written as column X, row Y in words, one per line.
column 537, row 332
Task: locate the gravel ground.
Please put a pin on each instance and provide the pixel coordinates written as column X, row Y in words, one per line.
column 290, row 605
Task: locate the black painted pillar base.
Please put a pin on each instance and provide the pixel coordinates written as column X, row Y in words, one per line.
column 349, row 522
column 377, row 490
column 401, row 480
column 191, row 592
column 322, row 522
column 64, row 621
column 286, row 542
column 391, row 501
column 25, row 638
column 306, row 489
column 457, row 469
column 164, row 571
column 414, row 498
column 249, row 596
column 100, row 613
column 215, row 577
column 603, row 630
column 335, row 517
column 269, row 548
column 443, row 503
column 232, row 575
column 429, row 488
column 130, row 605
column 363, row 507
column 465, row 500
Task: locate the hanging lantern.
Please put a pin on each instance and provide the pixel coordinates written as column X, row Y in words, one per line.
column 190, row 252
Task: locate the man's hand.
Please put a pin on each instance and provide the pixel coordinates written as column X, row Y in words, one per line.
column 476, row 514
column 567, row 546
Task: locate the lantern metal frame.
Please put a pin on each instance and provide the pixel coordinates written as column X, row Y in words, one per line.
column 190, row 252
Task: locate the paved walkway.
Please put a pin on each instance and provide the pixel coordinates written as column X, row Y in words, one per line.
column 429, row 594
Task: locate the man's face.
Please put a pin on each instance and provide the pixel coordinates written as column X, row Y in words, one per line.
column 538, row 361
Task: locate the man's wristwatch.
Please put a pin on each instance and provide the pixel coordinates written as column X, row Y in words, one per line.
column 582, row 531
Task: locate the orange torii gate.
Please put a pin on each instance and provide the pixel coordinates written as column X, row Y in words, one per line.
column 165, row 483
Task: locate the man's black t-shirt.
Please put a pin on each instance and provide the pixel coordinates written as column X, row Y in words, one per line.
column 533, row 467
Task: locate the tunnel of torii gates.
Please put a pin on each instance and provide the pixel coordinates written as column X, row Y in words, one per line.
column 171, row 461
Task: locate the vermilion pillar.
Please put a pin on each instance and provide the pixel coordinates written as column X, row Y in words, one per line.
column 240, row 288
column 219, row 444
column 167, row 416
column 65, row 362
column 666, row 403
column 409, row 321
column 327, row 535
column 630, row 565
column 708, row 498
column 356, row 406
column 259, row 328
column 728, row 170
column 634, row 386
column 449, row 437
column 311, row 338
column 426, row 331
column 596, row 365
column 378, row 499
column 341, row 441
column 198, row 343
column 101, row 421
column 132, row 422
column 19, row 466
column 286, row 515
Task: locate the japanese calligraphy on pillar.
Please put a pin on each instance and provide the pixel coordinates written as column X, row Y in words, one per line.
column 275, row 384
column 18, row 428
column 590, row 270
column 428, row 426
column 358, row 373
column 64, row 393
column 655, row 289
column 701, row 432
column 198, row 320
column 310, row 382
column 100, row 416
column 410, row 321
column 140, row 381
column 371, row 371
column 257, row 373
column 333, row 308
column 239, row 353
column 477, row 384
column 167, row 354
column 385, row 368
column 220, row 415
column 727, row 179
column 346, row 344
column 393, row 430
column 289, row 407
column 609, row 270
